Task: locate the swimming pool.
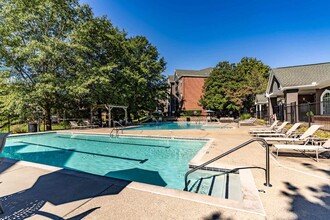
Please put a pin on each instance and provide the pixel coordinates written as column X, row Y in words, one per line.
column 157, row 161
column 174, row 126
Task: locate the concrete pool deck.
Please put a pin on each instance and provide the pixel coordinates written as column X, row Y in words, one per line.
column 301, row 187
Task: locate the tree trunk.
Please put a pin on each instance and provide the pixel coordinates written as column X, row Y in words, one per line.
column 48, row 119
column 91, row 114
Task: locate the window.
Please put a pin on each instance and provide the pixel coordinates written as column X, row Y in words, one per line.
column 325, row 102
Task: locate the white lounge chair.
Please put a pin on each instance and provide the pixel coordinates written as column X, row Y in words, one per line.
column 3, row 138
column 271, row 127
column 226, row 119
column 74, row 125
column 278, row 134
column 306, row 147
column 277, row 129
column 249, row 121
column 303, row 138
column 89, row 124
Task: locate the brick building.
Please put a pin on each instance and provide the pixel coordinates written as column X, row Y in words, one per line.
column 186, row 89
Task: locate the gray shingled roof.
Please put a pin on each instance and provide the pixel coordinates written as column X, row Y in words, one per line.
column 261, row 99
column 170, row 78
column 200, row 73
column 302, row 75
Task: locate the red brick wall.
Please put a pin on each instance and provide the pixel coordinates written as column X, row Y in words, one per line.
column 192, row 90
column 322, row 120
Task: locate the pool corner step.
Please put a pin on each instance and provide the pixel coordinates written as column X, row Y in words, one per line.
column 215, row 184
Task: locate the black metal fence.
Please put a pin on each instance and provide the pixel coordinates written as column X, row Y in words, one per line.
column 261, row 112
column 303, row 112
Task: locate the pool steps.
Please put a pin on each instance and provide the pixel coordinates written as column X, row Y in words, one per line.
column 216, row 184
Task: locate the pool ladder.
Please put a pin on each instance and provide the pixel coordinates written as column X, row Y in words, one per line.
column 267, row 169
column 116, row 129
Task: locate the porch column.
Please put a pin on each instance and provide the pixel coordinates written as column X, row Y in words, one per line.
column 272, row 103
column 291, row 97
column 318, row 101
column 109, row 112
column 260, row 107
column 256, row 110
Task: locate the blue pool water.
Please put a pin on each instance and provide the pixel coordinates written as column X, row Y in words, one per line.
column 173, row 126
column 161, row 162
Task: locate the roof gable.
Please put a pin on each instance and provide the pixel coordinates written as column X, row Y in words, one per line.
column 261, row 99
column 312, row 74
column 193, row 73
column 170, row 78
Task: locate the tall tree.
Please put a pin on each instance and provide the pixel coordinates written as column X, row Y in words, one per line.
column 35, row 43
column 255, row 74
column 218, row 88
column 232, row 87
column 64, row 58
column 115, row 69
column 147, row 85
column 101, row 62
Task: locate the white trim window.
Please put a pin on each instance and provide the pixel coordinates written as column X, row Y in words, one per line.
column 325, row 102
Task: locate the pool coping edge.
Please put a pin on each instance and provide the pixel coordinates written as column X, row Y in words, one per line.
column 250, row 197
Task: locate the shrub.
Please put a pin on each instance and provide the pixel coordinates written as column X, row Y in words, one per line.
column 322, row 134
column 192, row 113
column 310, row 113
column 18, row 128
column 64, row 124
column 261, row 121
column 245, row 116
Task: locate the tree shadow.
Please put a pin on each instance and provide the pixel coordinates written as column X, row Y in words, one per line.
column 314, row 168
column 305, row 208
column 216, row 216
column 4, row 163
column 83, row 215
column 54, row 157
column 58, row 188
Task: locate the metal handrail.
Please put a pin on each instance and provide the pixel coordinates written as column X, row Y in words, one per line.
column 267, row 169
column 122, row 126
column 116, row 128
column 118, row 123
column 111, row 132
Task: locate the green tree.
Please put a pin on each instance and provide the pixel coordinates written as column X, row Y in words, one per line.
column 147, row 85
column 219, row 88
column 115, row 69
column 232, row 87
column 35, row 43
column 64, row 59
column 255, row 75
column 99, row 71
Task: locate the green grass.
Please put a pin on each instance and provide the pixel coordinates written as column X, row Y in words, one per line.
column 142, row 119
column 319, row 133
column 261, row 121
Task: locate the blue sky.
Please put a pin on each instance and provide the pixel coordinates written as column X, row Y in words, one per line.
column 195, row 34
